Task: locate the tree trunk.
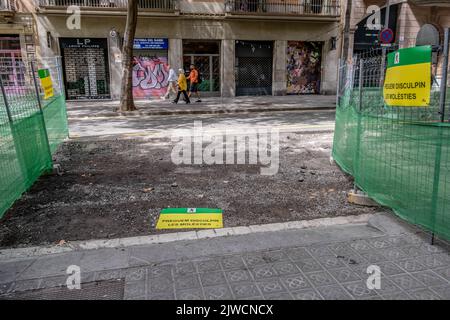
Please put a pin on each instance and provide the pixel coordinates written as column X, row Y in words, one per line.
column 126, row 95
column 347, row 21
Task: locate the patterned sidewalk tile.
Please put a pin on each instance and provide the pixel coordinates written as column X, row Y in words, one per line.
column 232, row 262
column 270, row 286
column 334, row 293
column 359, row 290
column 295, row 282
column 309, row 265
column 296, row 254
column 424, row 294
column 212, row 278
column 245, row 290
column 306, row 294
column 219, row 292
column 321, row 278
column 238, row 276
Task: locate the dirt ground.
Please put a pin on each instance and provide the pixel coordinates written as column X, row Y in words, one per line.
column 116, row 188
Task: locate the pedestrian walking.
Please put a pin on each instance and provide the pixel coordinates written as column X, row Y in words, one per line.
column 194, row 81
column 172, row 83
column 182, row 87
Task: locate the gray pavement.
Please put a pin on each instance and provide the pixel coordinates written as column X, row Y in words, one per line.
column 209, row 105
column 163, row 126
column 316, row 263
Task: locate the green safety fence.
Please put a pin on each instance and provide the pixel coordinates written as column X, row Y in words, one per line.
column 55, row 116
column 29, row 134
column 399, row 156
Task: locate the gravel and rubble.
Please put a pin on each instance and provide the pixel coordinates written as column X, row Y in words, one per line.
column 115, row 187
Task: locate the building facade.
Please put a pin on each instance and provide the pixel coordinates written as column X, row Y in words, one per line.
column 413, row 22
column 17, row 39
column 241, row 47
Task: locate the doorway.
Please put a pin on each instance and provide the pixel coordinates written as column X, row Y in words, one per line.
column 253, row 68
column 205, row 55
column 86, row 68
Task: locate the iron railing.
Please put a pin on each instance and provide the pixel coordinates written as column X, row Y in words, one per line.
column 284, row 7
column 7, row 5
column 157, row 5
column 325, row 8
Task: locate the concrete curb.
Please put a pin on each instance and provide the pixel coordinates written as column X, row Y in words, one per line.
column 200, row 111
column 22, row 253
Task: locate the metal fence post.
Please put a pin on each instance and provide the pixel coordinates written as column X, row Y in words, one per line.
column 62, row 90
column 338, row 85
column 361, row 82
column 438, row 154
column 17, row 145
column 36, row 88
column 358, row 128
column 443, row 88
column 5, row 99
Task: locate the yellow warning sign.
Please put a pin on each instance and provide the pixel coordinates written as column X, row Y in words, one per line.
column 46, row 82
column 408, row 78
column 190, row 218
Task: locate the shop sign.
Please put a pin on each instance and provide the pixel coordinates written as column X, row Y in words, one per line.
column 151, row 43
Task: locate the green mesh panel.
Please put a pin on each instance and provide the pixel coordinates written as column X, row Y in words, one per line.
column 24, row 156
column 56, row 121
column 399, row 156
column 25, row 146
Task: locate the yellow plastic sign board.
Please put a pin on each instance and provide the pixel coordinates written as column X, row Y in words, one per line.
column 408, row 78
column 46, row 82
column 190, row 218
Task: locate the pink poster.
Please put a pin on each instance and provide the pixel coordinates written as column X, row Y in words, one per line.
column 150, row 77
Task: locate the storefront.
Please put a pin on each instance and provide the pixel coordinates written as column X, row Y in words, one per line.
column 303, row 67
column 205, row 55
column 253, row 67
column 86, row 68
column 150, row 70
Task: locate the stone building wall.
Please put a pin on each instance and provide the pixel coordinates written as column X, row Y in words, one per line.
column 225, row 30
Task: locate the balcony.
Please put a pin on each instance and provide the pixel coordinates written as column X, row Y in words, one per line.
column 7, row 6
column 7, row 10
column 118, row 6
column 437, row 3
column 314, row 9
column 327, row 10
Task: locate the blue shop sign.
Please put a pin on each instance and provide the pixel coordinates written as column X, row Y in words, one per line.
column 151, row 43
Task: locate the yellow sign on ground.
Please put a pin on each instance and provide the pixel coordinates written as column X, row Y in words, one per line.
column 190, row 218
column 46, row 82
column 408, row 78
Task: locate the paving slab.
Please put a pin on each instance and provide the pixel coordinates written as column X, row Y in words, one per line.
column 319, row 263
column 209, row 105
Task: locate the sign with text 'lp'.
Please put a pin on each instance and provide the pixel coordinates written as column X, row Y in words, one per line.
column 189, row 218
column 46, row 82
column 408, row 77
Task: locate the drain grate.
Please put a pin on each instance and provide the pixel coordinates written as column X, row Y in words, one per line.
column 99, row 290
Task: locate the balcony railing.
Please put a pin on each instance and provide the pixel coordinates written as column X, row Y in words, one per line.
column 7, row 5
column 324, row 8
column 437, row 3
column 151, row 5
column 283, row 7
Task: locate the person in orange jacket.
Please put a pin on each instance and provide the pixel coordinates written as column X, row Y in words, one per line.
column 193, row 80
column 182, row 87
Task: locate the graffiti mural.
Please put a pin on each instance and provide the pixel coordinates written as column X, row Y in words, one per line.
column 150, row 77
column 303, row 67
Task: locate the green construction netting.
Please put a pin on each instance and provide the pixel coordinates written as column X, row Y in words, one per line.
column 399, row 156
column 55, row 115
column 25, row 146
